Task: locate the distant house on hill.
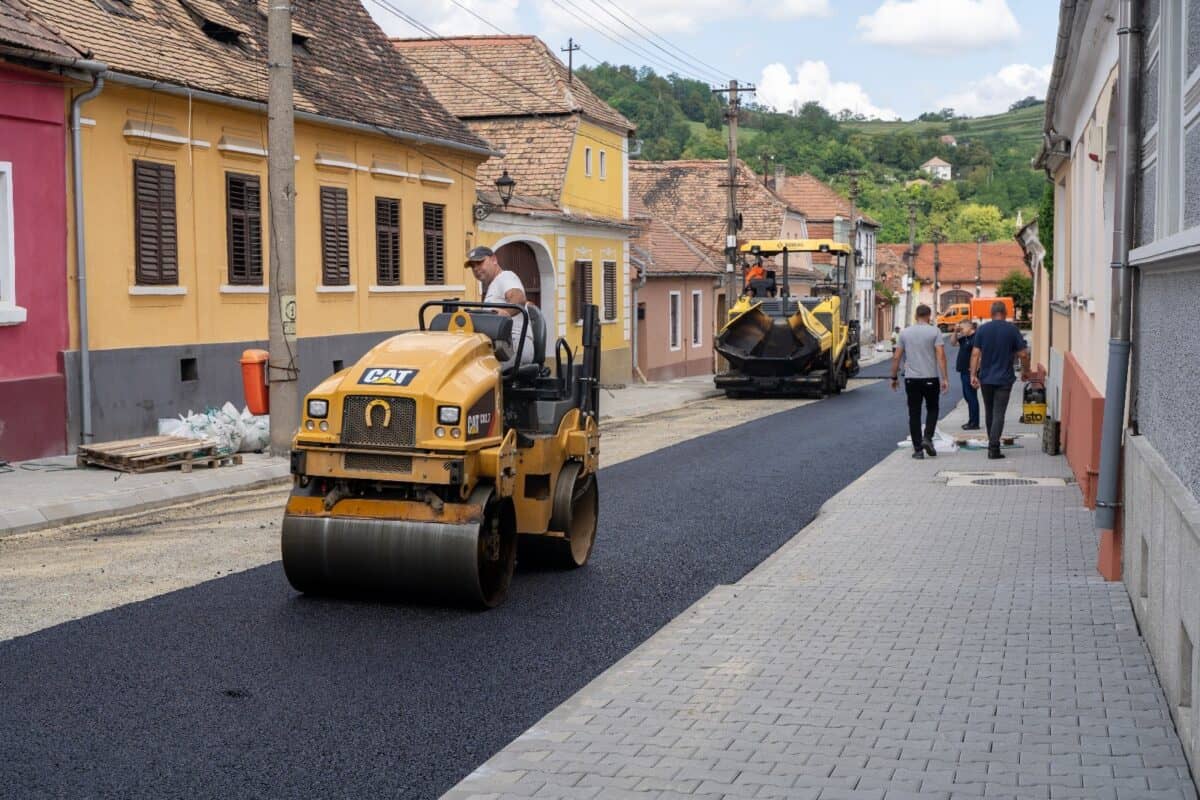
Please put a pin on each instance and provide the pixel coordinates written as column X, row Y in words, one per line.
column 947, row 139
column 938, row 169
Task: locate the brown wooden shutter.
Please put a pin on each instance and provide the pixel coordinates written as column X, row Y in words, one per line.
column 335, row 236
column 154, row 227
column 387, row 241
column 435, row 244
column 610, row 290
column 582, row 287
column 243, row 210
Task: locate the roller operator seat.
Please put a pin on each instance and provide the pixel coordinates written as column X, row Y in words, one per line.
column 528, row 373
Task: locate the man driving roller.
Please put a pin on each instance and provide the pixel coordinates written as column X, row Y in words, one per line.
column 502, row 286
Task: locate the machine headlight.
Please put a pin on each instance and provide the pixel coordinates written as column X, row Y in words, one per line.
column 324, row 426
column 448, row 415
column 318, row 409
column 439, row 432
column 309, row 424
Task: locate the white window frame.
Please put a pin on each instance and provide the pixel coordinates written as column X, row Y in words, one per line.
column 10, row 312
column 1172, row 62
column 675, row 321
column 603, row 165
column 587, row 161
column 697, row 318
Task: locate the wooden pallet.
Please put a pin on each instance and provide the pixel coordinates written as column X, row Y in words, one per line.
column 151, row 453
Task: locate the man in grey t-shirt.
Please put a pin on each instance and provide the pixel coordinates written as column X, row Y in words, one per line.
column 924, row 356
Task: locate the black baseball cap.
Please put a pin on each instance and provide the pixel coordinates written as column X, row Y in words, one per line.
column 478, row 254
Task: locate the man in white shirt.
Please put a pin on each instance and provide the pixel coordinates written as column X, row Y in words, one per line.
column 502, row 286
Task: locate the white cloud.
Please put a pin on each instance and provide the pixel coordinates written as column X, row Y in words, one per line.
column 444, row 16
column 940, row 26
column 813, row 81
column 995, row 93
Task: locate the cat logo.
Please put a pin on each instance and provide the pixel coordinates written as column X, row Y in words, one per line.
column 374, row 404
column 478, row 422
column 388, row 376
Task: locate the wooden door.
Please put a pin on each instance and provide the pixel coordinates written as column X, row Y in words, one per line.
column 520, row 258
column 641, row 338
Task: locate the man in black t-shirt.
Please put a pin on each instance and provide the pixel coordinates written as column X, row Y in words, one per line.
column 996, row 345
column 964, row 337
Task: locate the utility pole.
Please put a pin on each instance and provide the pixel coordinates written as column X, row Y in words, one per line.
column 767, row 158
column 732, row 226
column 570, row 51
column 852, row 267
column 912, row 263
column 937, row 237
column 283, row 371
column 979, row 240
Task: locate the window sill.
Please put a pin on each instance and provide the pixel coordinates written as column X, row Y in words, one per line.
column 153, row 291
column 229, row 288
column 12, row 314
column 610, row 321
column 351, row 289
column 425, row 289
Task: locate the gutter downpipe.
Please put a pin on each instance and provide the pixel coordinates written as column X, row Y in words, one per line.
column 85, row 363
column 1108, row 494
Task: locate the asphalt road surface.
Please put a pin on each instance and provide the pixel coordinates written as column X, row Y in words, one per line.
column 239, row 687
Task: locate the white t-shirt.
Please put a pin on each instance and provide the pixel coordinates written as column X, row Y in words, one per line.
column 501, row 285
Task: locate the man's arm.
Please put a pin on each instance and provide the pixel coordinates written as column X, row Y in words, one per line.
column 517, row 298
column 976, row 355
column 941, row 361
column 897, row 354
column 1024, row 356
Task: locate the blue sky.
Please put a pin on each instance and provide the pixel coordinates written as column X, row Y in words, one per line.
column 878, row 57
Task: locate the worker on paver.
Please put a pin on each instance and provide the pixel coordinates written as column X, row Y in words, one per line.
column 997, row 343
column 755, row 273
column 923, row 354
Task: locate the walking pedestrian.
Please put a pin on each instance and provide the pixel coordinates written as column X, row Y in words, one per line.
column 924, row 357
column 997, row 343
column 964, row 337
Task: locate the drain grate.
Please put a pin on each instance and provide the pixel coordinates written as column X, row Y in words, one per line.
column 983, row 478
column 1003, row 482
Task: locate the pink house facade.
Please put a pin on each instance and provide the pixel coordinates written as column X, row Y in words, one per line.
column 34, row 328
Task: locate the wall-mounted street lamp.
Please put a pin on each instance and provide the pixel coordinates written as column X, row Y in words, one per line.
column 505, row 185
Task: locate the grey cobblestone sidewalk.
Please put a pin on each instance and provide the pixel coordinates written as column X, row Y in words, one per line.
column 917, row 640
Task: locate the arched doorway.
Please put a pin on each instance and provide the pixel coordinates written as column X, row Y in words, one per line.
column 955, row 296
column 520, row 258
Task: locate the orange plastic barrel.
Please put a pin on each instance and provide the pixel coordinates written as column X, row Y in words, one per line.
column 254, row 381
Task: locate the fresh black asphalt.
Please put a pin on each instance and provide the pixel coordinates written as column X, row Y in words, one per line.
column 240, row 688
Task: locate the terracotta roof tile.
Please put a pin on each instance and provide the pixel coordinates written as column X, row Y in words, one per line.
column 958, row 260
column 691, row 196
column 663, row 251
column 347, row 69
column 817, row 200
column 20, row 27
column 503, row 76
column 536, row 152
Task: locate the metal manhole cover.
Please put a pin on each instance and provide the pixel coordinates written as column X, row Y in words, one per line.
column 1003, row 482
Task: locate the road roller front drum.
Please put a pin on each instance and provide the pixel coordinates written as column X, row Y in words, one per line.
column 470, row 563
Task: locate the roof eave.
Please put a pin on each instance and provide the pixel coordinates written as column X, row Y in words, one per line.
column 307, row 116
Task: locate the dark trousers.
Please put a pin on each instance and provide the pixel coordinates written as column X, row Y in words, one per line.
column 922, row 391
column 971, row 395
column 995, row 403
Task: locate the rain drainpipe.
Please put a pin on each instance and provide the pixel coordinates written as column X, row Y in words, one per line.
column 85, row 362
column 1108, row 494
column 640, row 284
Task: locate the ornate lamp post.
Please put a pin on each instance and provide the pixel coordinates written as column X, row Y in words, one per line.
column 505, row 185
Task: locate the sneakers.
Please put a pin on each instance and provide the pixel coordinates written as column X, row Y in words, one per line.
column 918, row 454
column 970, row 427
column 929, row 448
column 994, row 452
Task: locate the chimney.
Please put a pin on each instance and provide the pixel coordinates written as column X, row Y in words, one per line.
column 780, row 174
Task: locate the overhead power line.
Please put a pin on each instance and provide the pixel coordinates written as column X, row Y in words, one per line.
column 713, row 74
column 724, row 76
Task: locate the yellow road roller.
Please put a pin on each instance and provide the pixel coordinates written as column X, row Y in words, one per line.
column 419, row 470
column 776, row 343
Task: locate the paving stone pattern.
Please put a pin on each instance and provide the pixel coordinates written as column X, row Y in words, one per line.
column 916, row 640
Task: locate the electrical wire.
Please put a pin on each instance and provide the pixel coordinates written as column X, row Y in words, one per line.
column 686, row 65
column 664, row 40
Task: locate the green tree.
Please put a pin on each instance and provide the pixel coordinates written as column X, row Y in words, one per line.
column 1019, row 286
column 974, row 220
column 1045, row 218
column 706, row 144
